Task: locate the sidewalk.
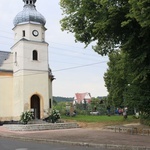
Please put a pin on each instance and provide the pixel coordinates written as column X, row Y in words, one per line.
column 84, row 137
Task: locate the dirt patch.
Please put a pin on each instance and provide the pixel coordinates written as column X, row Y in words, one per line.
column 95, row 125
column 141, row 129
column 103, row 125
column 91, row 125
column 137, row 127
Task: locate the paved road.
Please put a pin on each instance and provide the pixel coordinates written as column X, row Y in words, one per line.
column 11, row 144
column 85, row 137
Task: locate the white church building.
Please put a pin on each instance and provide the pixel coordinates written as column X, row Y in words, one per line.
column 25, row 76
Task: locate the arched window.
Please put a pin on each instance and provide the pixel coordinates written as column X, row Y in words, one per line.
column 35, row 55
column 23, row 33
column 15, row 57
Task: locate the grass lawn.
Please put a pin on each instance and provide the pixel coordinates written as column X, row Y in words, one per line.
column 101, row 119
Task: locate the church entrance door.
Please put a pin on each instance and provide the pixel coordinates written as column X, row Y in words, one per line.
column 35, row 105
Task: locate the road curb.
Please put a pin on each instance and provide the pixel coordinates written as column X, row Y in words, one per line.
column 106, row 146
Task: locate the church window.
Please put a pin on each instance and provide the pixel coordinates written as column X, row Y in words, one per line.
column 16, row 57
column 23, row 33
column 50, row 103
column 43, row 36
column 35, row 55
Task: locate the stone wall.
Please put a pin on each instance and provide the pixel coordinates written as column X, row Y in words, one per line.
column 38, row 127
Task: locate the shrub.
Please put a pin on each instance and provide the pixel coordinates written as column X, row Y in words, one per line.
column 26, row 117
column 61, row 106
column 145, row 119
column 53, row 116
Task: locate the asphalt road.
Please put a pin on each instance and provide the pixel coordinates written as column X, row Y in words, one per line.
column 11, row 144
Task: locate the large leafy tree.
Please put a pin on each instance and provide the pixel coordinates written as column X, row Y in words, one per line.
column 115, row 78
column 123, row 89
column 112, row 24
column 97, row 20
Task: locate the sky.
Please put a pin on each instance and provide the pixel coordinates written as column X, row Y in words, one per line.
column 77, row 69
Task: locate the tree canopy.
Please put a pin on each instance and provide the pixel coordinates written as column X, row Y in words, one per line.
column 115, row 78
column 115, row 24
column 108, row 22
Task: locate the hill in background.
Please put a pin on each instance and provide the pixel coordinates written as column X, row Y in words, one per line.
column 62, row 99
column 70, row 99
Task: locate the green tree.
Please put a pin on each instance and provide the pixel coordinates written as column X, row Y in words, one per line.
column 95, row 102
column 61, row 106
column 112, row 24
column 115, row 78
column 118, row 78
column 96, row 20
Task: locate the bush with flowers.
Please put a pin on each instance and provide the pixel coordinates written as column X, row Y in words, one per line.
column 53, row 116
column 26, row 117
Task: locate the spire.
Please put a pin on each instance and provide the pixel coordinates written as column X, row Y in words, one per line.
column 29, row 14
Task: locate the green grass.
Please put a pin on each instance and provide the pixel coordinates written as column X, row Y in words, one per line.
column 101, row 119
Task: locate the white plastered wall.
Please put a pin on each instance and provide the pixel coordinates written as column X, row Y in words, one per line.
column 27, row 84
column 36, row 83
column 6, row 95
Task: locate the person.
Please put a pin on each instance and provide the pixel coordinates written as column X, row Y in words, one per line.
column 108, row 110
column 95, row 109
column 117, row 111
column 125, row 113
column 120, row 111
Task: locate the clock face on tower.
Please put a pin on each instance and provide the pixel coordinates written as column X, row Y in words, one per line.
column 35, row 32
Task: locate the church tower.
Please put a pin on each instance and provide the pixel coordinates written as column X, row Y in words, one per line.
column 32, row 77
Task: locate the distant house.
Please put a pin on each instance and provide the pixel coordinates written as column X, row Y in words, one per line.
column 81, row 98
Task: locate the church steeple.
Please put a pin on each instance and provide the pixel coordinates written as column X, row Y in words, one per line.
column 29, row 14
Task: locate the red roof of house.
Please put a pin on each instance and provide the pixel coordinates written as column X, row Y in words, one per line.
column 79, row 97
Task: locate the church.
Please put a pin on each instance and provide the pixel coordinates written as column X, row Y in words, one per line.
column 25, row 75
